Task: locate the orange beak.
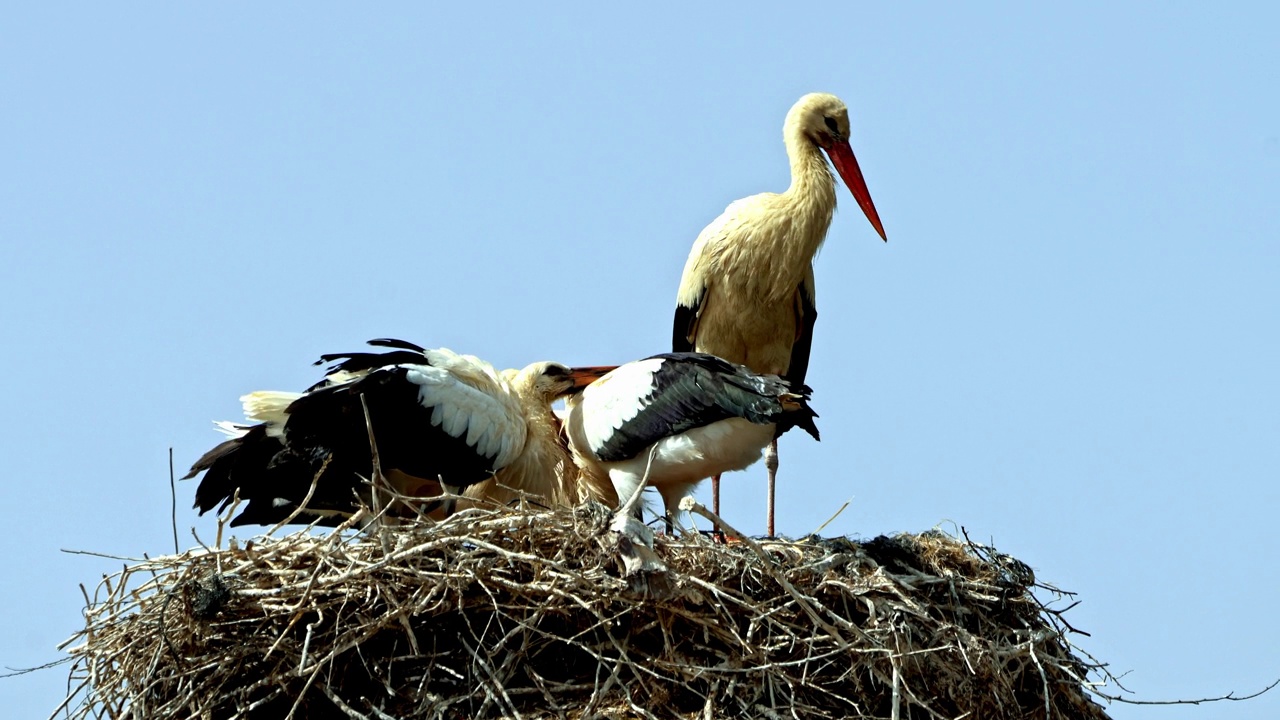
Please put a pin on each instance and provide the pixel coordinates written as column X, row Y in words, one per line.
column 584, row 376
column 847, row 165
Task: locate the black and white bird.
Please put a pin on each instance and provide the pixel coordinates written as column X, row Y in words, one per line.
column 440, row 420
column 675, row 419
column 747, row 292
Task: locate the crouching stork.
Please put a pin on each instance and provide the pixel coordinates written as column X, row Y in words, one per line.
column 440, row 421
column 670, row 420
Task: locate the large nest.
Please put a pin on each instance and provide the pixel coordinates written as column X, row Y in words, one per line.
column 531, row 613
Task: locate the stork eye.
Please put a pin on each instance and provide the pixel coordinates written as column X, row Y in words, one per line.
column 831, row 125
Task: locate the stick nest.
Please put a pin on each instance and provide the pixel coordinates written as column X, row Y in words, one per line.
column 530, row 613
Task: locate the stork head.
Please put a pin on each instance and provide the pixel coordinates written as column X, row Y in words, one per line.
column 824, row 120
column 552, row 381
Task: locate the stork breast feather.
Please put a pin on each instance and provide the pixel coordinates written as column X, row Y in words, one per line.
column 459, row 409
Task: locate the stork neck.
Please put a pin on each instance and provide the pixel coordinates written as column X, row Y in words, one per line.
column 808, row 203
column 545, row 467
column 811, row 178
column 538, row 413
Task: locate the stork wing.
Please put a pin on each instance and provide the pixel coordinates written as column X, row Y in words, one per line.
column 348, row 366
column 689, row 303
column 806, row 315
column 445, row 418
column 685, row 328
column 428, row 421
column 698, row 278
column 643, row 402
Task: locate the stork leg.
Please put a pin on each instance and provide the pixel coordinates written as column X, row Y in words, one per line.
column 715, row 494
column 771, row 464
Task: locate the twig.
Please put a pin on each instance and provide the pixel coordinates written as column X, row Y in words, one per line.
column 315, row 481
column 377, row 481
column 831, row 519
column 14, row 672
column 67, row 700
column 173, row 503
column 108, row 556
column 345, row 708
column 629, row 506
column 1229, row 696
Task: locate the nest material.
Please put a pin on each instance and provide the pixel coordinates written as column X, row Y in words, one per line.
column 529, row 613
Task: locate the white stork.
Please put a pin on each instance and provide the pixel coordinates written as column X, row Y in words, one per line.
column 747, row 291
column 440, row 420
column 678, row 418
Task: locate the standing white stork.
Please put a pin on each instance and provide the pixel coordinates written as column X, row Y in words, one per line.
column 440, row 420
column 678, row 418
column 747, row 291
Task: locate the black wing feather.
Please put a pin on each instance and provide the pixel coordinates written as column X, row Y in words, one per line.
column 682, row 339
column 398, row 344
column 326, row 441
column 798, row 368
column 404, row 353
column 333, row 418
column 263, row 468
column 692, row 390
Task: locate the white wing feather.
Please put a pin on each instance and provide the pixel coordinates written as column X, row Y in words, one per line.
column 614, row 399
column 469, row 401
column 268, row 408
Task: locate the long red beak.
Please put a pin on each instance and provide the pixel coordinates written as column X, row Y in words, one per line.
column 847, row 165
column 584, row 376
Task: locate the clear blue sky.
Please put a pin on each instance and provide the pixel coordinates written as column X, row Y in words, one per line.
column 1069, row 344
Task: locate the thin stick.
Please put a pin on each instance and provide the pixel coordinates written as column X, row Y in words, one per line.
column 630, row 505
column 315, row 480
column 377, row 481
column 14, row 672
column 824, row 525
column 1229, row 696
column 173, row 504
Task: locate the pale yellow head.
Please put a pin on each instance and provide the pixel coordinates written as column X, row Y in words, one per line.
column 821, row 117
column 552, row 381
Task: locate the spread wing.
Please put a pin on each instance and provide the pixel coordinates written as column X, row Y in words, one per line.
column 442, row 418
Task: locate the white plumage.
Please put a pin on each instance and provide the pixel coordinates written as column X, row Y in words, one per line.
column 674, row 419
column 485, row 411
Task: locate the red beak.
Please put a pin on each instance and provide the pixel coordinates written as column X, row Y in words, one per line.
column 584, row 376
column 847, row 165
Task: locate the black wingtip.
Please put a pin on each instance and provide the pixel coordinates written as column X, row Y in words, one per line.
column 397, row 344
column 811, row 427
column 683, row 329
column 392, row 343
column 797, row 413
